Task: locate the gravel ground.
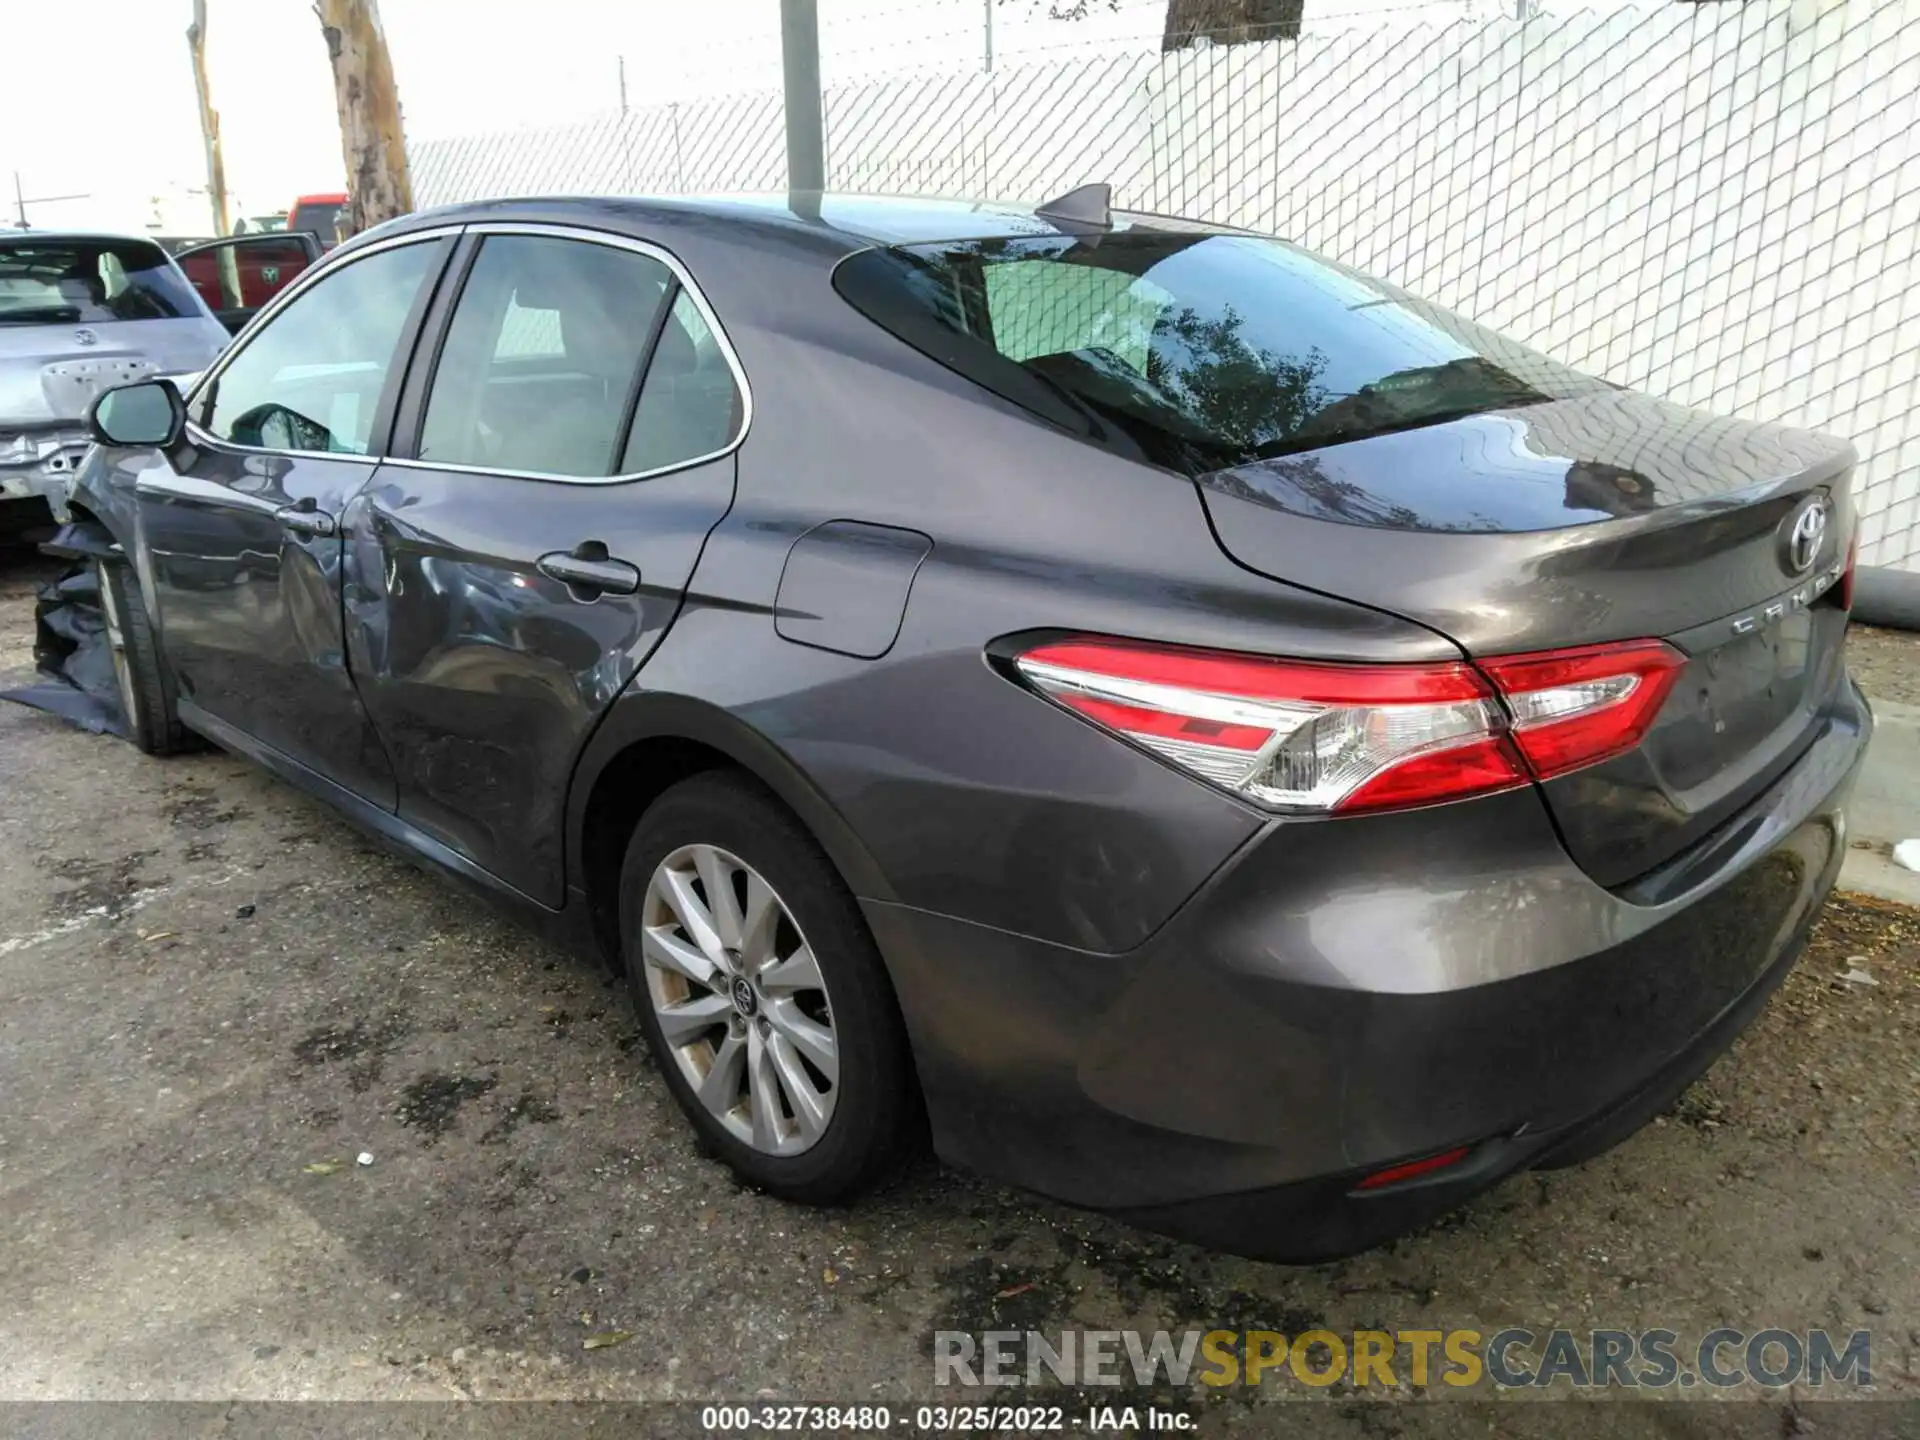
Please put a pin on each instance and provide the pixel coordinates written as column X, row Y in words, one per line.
column 1885, row 662
column 214, row 996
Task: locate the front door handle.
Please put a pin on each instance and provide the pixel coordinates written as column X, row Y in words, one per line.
column 588, row 569
column 305, row 519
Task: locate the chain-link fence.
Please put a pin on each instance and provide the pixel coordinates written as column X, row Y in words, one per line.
column 1716, row 203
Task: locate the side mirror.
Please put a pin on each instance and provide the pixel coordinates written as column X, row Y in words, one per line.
column 150, row 413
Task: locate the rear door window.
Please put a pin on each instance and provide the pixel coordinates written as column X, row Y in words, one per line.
column 542, row 361
column 689, row 407
column 1198, row 351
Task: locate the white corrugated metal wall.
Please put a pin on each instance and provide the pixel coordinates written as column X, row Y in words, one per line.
column 1719, row 204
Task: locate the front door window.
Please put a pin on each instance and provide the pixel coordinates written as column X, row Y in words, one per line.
column 310, row 380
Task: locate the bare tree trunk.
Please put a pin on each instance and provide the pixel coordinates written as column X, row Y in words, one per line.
column 216, row 166
column 371, row 138
column 209, row 119
column 1230, row 22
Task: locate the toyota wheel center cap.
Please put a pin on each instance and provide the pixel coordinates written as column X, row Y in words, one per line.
column 744, row 999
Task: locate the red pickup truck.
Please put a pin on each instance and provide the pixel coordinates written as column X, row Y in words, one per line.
column 238, row 275
column 324, row 216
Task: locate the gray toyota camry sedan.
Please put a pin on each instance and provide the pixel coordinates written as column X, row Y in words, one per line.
column 1197, row 730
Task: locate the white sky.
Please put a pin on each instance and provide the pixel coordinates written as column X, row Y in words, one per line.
column 119, row 123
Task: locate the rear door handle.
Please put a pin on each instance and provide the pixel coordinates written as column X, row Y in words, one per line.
column 304, row 519
column 589, row 568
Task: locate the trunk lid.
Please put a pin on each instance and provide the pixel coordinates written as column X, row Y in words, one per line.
column 52, row 373
column 1606, row 516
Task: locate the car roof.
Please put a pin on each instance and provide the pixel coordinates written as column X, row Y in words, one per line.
column 857, row 221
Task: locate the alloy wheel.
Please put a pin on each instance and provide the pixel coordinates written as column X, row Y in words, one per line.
column 739, row 999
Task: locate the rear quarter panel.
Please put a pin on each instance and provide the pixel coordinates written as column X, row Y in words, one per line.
column 974, row 797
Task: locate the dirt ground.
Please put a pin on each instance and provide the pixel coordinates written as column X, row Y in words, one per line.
column 1885, row 662
column 214, row 996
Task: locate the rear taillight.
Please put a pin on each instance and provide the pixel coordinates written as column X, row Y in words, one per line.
column 1317, row 737
column 1573, row 708
column 1846, row 575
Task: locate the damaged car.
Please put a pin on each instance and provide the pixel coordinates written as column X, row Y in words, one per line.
column 80, row 314
column 1194, row 729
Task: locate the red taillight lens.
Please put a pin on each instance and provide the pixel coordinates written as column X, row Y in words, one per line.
column 1310, row 736
column 1292, row 734
column 1573, row 708
column 1846, row 575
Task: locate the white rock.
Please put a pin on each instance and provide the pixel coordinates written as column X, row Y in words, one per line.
column 364, row 1158
column 1907, row 853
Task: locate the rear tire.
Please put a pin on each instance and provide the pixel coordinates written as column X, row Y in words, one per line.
column 146, row 697
column 796, row 1074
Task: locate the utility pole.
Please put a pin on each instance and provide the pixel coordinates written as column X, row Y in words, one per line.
column 372, row 140
column 800, row 56
column 21, row 199
column 209, row 120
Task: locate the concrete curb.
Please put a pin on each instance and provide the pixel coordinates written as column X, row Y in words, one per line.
column 1886, row 807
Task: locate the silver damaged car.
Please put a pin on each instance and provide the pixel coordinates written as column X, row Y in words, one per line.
column 80, row 314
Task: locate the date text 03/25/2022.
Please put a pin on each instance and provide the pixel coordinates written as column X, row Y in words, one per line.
column 967, row 1419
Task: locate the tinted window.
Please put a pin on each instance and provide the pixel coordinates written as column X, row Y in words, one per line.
column 539, row 366
column 1198, row 351
column 689, row 406
column 89, row 282
column 311, row 379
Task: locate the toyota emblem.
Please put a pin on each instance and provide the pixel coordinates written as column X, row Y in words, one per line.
column 744, row 999
column 1802, row 534
column 85, row 337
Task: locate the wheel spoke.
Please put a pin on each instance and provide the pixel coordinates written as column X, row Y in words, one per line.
column 760, row 924
column 808, row 1104
column 716, row 878
column 720, row 1090
column 808, row 1036
column 799, row 971
column 687, row 1021
column 763, row 1093
column 660, row 946
column 676, row 888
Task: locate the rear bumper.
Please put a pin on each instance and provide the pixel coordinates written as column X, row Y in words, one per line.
column 1342, row 996
column 45, row 477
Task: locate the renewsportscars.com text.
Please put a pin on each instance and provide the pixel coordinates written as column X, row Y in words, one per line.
column 1508, row 1359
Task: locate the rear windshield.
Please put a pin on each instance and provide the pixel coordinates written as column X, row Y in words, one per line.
column 1196, row 351
column 90, row 282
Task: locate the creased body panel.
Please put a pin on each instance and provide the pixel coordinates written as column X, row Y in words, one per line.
column 484, row 675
